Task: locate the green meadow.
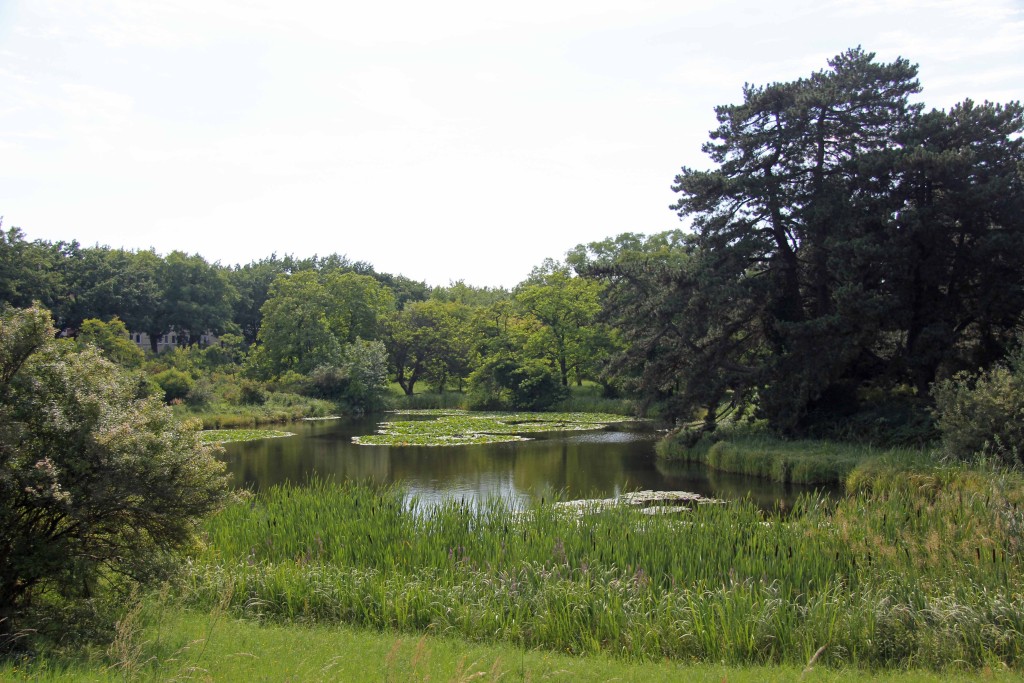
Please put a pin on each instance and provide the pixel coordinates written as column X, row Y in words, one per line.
column 161, row 643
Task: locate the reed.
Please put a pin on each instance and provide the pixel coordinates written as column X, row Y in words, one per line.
column 426, row 401
column 279, row 408
column 924, row 574
column 756, row 453
column 582, row 403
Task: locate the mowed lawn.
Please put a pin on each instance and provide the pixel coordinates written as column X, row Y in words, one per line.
column 181, row 645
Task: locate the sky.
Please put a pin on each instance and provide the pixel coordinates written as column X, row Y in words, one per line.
column 444, row 141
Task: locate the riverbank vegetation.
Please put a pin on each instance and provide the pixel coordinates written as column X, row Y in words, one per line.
column 913, row 568
column 762, row 455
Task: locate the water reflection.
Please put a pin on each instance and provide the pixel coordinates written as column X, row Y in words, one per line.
column 574, row 465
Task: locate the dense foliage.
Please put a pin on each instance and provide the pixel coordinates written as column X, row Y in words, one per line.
column 844, row 240
column 98, row 486
column 981, row 415
column 315, row 327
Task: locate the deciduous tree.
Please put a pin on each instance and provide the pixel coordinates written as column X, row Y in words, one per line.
column 566, row 307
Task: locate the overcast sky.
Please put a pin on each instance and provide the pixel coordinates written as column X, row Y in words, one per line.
column 441, row 140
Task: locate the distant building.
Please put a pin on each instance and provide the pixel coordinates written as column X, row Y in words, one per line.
column 171, row 340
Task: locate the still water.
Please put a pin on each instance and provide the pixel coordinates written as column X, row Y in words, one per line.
column 573, row 465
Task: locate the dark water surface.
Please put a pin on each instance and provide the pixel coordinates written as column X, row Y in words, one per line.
column 598, row 464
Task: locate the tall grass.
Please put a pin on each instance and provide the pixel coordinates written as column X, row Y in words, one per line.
column 759, row 454
column 589, row 398
column 171, row 644
column 922, row 574
column 449, row 400
column 596, row 404
column 584, row 399
column 279, row 407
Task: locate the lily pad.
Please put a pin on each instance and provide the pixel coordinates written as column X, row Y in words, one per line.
column 235, row 435
column 460, row 428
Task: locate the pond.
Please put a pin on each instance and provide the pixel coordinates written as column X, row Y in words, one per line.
column 572, row 465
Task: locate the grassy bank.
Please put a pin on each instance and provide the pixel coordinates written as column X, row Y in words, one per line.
column 908, row 571
column 582, row 399
column 161, row 644
column 589, row 398
column 277, row 408
column 756, row 453
column 449, row 400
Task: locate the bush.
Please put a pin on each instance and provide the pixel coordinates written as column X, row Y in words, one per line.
column 252, row 393
column 359, row 381
column 227, row 354
column 982, row 416
column 883, row 418
column 97, row 487
column 201, row 393
column 112, row 339
column 289, row 382
column 328, row 381
column 366, row 365
column 508, row 383
column 175, row 384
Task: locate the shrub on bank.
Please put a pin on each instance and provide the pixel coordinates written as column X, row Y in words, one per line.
column 981, row 416
column 175, row 384
column 505, row 382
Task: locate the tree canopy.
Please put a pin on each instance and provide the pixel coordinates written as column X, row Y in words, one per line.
column 566, row 308
column 843, row 237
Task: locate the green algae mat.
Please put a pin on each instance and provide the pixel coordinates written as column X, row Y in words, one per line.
column 233, row 435
column 462, row 428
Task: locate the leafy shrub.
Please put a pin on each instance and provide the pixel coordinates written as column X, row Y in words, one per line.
column 252, row 393
column 229, row 352
column 883, row 418
column 201, row 393
column 508, row 383
column 184, row 358
column 289, row 382
column 982, row 416
column 366, row 364
column 97, row 487
column 360, row 381
column 328, row 381
column 175, row 384
column 112, row 339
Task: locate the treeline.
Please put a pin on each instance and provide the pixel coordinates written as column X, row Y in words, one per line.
column 324, row 326
column 155, row 294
